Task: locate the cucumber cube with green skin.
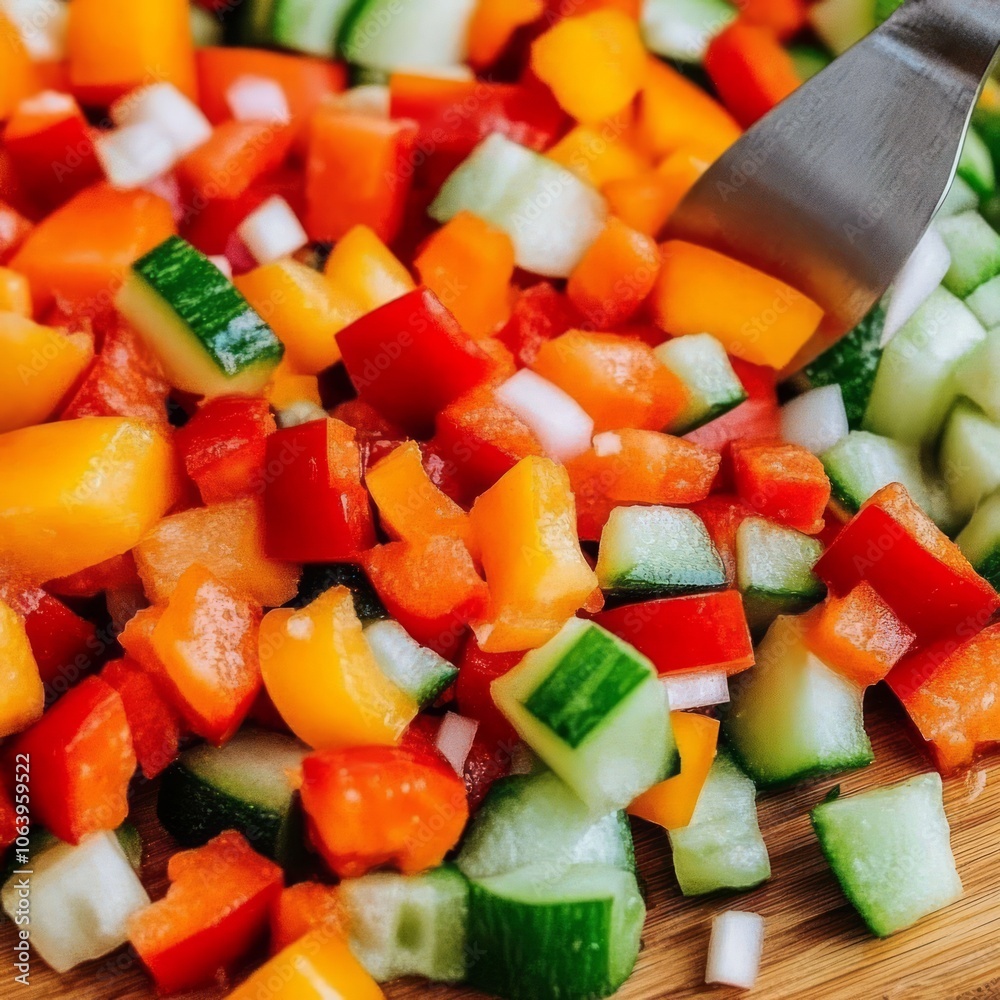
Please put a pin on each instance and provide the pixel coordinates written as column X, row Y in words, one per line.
column 682, row 29
column 960, row 198
column 809, row 60
column 540, row 934
column 979, row 540
column 842, row 23
column 593, row 710
column 409, row 925
column 774, row 571
column 975, row 166
column 309, row 26
column 648, row 552
column 985, row 303
column 890, row 849
column 978, row 375
column 791, row 717
column 413, row 668
column 206, row 335
column 701, row 363
column 915, row 383
column 970, row 457
column 721, row 848
column 975, row 252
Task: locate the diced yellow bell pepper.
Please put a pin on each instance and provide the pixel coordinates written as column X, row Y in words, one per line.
column 39, row 367
column 324, row 680
column 15, row 292
column 18, row 78
column 671, row 803
column 22, row 696
column 524, row 526
column 599, row 155
column 77, row 492
column 319, row 966
column 364, row 273
column 287, row 387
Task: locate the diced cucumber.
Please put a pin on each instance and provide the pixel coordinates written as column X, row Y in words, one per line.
column 975, row 166
column 682, row 29
column 979, row 540
column 409, row 925
column 551, row 216
column 915, row 385
column 970, row 457
column 538, row 819
column 131, row 844
column 985, row 303
column 539, row 935
column 78, row 900
column 809, row 60
column 774, row 571
column 386, row 34
column 417, row 670
column 206, row 335
column 591, row 707
column 318, row 578
column 851, row 363
column 978, row 374
column 246, row 785
column 841, row 23
column 649, row 552
column 206, row 28
column 702, row 364
column 975, row 252
column 890, row 849
column 721, row 848
column 884, row 9
column 309, row 26
column 960, row 198
column 792, row 717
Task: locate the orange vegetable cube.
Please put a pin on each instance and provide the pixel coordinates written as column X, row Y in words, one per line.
column 493, row 25
column 305, row 907
column 19, row 78
column 599, row 155
column 22, row 695
column 644, row 202
column 783, row 17
column 15, row 292
column 364, row 272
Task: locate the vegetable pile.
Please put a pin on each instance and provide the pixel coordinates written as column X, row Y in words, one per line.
column 384, row 484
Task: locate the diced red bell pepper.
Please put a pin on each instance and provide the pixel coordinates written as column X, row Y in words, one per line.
column 305, row 907
column 116, row 573
column 315, row 507
column 783, row 17
column 486, row 764
column 213, row 916
column 722, row 515
column 431, row 587
column 476, row 672
column 757, row 418
column 155, row 724
column 783, row 482
column 410, row 359
column 8, row 819
column 680, row 634
column 82, row 761
column 223, row 446
column 14, row 229
column 539, row 314
column 919, row 572
column 371, row 806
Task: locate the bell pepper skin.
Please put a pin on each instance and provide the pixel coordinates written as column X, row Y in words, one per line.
column 20, row 78
column 222, row 446
column 59, row 517
column 81, row 762
column 540, row 313
column 305, row 907
column 493, row 25
column 323, row 679
column 722, row 514
column 365, row 272
column 919, row 573
column 212, row 917
column 14, row 227
column 476, row 672
column 116, row 573
column 371, row 806
column 22, row 695
column 315, row 507
column 485, row 765
column 8, row 819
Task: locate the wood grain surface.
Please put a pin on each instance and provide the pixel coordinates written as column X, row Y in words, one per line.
column 815, row 946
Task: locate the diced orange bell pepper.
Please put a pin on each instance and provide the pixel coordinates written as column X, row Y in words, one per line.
column 228, row 540
column 206, row 643
column 14, row 227
column 411, row 507
column 540, row 313
column 81, row 252
column 783, row 17
column 137, row 637
column 212, row 917
column 469, row 264
column 148, row 43
column 493, row 25
column 601, row 154
column 756, row 317
column 287, row 387
column 15, row 292
column 19, row 78
column 525, row 528
column 671, row 803
column 614, row 276
column 308, row 906
column 595, row 64
column 675, row 113
column 722, row 514
column 40, row 366
column 637, row 467
column 364, row 272
column 112, row 479
column 858, row 635
column 680, row 171
column 324, row 680
column 644, row 202
column 22, row 695
column 617, row 380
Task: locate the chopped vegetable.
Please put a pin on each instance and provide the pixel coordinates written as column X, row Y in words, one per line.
column 734, row 949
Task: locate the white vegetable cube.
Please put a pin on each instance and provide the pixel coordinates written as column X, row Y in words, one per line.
column 978, row 374
column 163, row 105
column 135, row 155
column 272, row 231
column 921, row 274
column 735, row 948
column 696, row 689
column 80, row 899
column 258, row 99
column 816, row 420
column 561, row 425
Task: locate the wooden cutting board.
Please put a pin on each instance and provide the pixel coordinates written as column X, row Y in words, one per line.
column 815, row 946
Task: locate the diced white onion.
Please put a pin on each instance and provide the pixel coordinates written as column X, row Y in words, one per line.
column 168, row 188
column 608, row 443
column 221, row 261
column 135, row 155
column 696, row 689
column 302, row 411
column 163, row 105
column 48, row 102
column 816, row 420
column 372, row 100
column 42, row 25
column 272, row 230
column 258, row 99
column 454, row 739
column 559, row 422
column 921, row 274
column 735, row 948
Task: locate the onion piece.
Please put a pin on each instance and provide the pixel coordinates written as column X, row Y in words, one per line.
column 817, row 419
column 163, row 105
column 48, row 102
column 258, row 99
column 42, row 24
column 735, row 948
column 921, row 274
column 221, row 261
column 272, row 230
column 454, row 739
column 559, row 422
column 607, row 443
column 696, row 689
column 135, row 156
